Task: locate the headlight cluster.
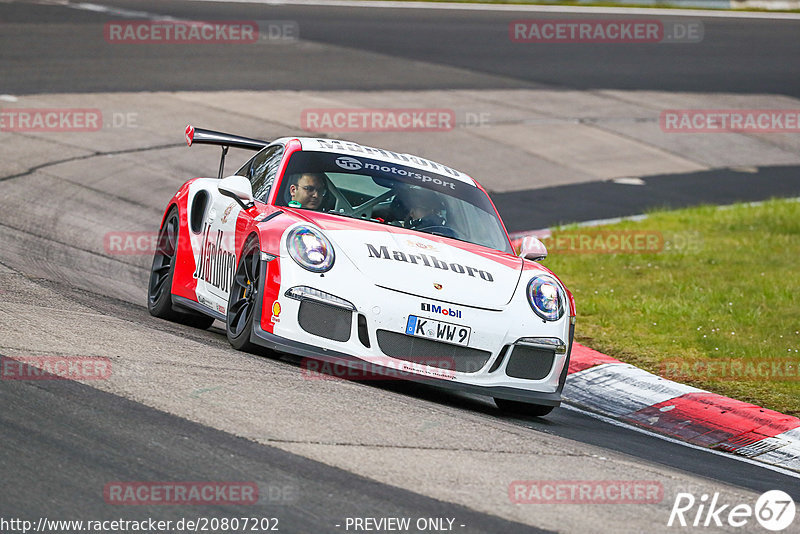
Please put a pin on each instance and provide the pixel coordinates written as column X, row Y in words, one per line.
column 546, row 298
column 310, row 249
column 305, row 292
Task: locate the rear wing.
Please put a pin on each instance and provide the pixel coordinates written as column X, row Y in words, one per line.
column 200, row 136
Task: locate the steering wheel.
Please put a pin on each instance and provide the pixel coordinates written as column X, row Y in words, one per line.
column 362, row 211
column 365, row 209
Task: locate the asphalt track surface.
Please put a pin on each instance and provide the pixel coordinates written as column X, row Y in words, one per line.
column 61, row 54
column 62, row 441
column 103, row 438
column 738, row 56
column 608, row 199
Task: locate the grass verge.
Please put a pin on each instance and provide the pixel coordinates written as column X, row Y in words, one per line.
column 706, row 296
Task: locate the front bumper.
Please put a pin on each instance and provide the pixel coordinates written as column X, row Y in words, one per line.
column 491, row 379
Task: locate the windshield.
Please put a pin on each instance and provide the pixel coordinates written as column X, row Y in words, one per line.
column 393, row 194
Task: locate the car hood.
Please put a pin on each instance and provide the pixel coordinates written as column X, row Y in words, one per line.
column 428, row 266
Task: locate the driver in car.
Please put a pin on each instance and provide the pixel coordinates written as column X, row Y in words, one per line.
column 423, row 210
column 307, row 190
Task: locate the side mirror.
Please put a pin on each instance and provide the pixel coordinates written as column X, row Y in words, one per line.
column 238, row 188
column 532, row 249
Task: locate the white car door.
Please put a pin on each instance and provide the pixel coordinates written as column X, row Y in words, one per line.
column 218, row 259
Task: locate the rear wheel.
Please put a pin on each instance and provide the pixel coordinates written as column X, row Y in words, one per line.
column 523, row 408
column 243, row 297
column 159, row 289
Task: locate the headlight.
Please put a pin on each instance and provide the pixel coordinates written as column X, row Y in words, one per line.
column 310, row 249
column 546, row 298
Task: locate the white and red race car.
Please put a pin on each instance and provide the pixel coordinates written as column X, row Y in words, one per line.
column 369, row 260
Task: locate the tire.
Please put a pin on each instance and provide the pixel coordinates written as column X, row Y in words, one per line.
column 523, row 408
column 159, row 288
column 243, row 297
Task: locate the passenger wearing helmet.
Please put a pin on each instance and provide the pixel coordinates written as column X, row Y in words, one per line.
column 421, row 209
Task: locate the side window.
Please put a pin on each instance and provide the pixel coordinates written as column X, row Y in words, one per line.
column 261, row 171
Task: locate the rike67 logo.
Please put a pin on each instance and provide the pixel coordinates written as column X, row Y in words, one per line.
column 774, row 510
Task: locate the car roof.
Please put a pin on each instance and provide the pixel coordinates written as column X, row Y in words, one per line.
column 350, row 148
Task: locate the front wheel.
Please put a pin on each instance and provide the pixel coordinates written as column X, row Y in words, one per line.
column 243, row 297
column 523, row 408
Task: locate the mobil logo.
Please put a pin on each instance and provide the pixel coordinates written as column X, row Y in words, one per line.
column 443, row 310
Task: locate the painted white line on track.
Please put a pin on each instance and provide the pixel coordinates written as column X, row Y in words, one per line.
column 679, row 442
column 628, row 181
column 388, row 4
column 116, row 11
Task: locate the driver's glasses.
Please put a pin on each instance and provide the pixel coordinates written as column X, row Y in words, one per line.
column 310, row 189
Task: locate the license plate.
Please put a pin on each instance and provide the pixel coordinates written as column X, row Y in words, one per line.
column 438, row 330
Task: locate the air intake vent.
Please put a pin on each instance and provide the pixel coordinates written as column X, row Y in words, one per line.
column 325, row 321
column 499, row 361
column 530, row 363
column 433, row 353
column 363, row 333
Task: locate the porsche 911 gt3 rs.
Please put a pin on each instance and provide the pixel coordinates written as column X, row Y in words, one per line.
column 359, row 256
